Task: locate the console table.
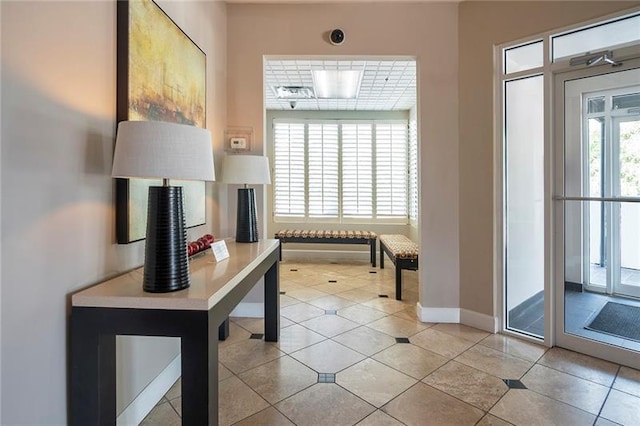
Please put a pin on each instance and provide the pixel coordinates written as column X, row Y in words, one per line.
column 120, row 307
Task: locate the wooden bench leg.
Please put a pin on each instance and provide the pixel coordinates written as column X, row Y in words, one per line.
column 398, row 282
column 223, row 330
column 372, row 243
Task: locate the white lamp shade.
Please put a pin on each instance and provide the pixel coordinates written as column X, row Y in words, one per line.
column 246, row 169
column 156, row 149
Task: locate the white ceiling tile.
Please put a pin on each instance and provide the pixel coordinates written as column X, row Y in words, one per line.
column 385, row 85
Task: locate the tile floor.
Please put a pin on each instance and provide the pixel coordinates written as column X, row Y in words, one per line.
column 343, row 359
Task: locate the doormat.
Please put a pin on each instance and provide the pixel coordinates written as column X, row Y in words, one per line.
column 618, row 320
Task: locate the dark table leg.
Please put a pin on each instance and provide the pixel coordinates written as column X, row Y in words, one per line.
column 372, row 243
column 381, row 255
column 398, row 281
column 223, row 330
column 200, row 373
column 272, row 304
column 93, row 372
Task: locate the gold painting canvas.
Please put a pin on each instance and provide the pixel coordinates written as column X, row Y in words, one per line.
column 161, row 77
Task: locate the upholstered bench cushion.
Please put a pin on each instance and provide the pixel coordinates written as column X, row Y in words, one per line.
column 305, row 233
column 329, row 237
column 401, row 246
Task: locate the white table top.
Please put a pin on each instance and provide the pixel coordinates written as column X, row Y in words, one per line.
column 210, row 282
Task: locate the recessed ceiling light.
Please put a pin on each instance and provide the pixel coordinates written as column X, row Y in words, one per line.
column 336, row 84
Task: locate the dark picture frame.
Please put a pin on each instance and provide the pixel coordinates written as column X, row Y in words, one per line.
column 161, row 76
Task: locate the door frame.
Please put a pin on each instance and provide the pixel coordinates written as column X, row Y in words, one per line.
column 548, row 67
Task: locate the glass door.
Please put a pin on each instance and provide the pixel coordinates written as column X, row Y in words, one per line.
column 597, row 209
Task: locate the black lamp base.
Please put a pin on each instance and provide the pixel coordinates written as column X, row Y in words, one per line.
column 166, row 264
column 246, row 223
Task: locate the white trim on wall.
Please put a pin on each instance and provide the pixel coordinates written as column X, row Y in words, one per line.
column 149, row 397
column 484, row 322
column 446, row 315
column 474, row 319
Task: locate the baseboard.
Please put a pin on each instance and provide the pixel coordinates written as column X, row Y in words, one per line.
column 438, row 314
column 149, row 397
column 460, row 316
column 248, row 310
column 360, row 255
column 478, row 320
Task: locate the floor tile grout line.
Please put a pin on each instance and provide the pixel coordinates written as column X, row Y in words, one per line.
column 455, row 397
column 489, row 374
column 459, row 399
column 519, row 357
column 608, row 393
column 279, row 401
column 575, row 375
column 489, row 414
column 563, row 402
column 290, row 396
column 532, row 390
column 572, row 374
column 174, row 408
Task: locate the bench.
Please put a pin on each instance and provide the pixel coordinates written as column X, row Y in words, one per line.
column 403, row 253
column 329, row 237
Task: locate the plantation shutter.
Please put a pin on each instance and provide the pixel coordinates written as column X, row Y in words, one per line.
column 289, row 179
column 323, row 170
column 357, row 170
column 391, row 169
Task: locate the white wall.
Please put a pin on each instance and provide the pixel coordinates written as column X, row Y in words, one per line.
column 428, row 32
column 58, row 127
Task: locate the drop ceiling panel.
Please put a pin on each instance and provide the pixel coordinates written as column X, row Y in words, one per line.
column 385, row 85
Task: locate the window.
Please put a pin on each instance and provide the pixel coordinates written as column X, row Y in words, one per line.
column 323, row 170
column 391, row 169
column 606, row 35
column 357, row 170
column 522, row 58
column 351, row 171
column 289, row 148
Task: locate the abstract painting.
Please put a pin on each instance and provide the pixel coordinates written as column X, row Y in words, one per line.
column 161, row 76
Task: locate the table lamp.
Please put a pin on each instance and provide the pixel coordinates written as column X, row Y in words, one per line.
column 246, row 169
column 159, row 150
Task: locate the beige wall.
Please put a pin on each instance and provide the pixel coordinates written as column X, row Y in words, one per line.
column 483, row 25
column 427, row 32
column 58, row 128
